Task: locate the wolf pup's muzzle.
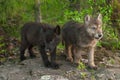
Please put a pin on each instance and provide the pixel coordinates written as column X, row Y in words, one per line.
column 98, row 36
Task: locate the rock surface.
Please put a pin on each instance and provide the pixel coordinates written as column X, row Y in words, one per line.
column 33, row 69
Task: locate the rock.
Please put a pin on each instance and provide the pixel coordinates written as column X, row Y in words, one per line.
column 52, row 77
column 108, row 74
column 33, row 69
column 3, row 77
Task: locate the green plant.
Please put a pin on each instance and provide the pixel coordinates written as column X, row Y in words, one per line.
column 81, row 66
column 13, row 14
column 2, row 49
column 111, row 61
column 111, row 38
column 2, row 45
column 52, row 10
column 83, row 75
column 93, row 77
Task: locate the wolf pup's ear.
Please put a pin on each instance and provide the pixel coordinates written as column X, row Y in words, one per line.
column 87, row 19
column 99, row 18
column 57, row 30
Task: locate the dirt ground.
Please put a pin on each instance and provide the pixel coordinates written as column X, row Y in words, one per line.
column 33, row 69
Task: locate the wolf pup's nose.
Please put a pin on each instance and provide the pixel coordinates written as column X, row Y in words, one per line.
column 47, row 50
column 100, row 35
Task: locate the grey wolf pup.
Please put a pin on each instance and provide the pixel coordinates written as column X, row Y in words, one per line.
column 77, row 36
column 45, row 36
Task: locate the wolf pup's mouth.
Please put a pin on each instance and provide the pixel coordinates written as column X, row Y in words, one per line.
column 98, row 38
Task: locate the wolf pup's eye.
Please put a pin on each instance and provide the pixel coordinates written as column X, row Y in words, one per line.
column 93, row 27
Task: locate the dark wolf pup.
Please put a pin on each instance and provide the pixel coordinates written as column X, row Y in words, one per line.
column 45, row 36
column 77, row 36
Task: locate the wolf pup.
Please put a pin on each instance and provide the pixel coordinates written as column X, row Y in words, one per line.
column 77, row 36
column 45, row 36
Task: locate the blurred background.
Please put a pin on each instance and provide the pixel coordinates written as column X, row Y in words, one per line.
column 14, row 13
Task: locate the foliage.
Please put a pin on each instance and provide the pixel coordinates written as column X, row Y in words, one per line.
column 111, row 38
column 115, row 18
column 83, row 75
column 91, row 8
column 52, row 10
column 14, row 13
column 2, row 45
column 81, row 66
column 2, row 49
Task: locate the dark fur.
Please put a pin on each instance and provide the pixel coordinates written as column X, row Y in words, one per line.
column 45, row 36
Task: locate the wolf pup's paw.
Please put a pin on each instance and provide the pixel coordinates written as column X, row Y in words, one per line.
column 22, row 58
column 93, row 67
column 32, row 56
column 69, row 59
column 76, row 64
column 55, row 66
column 48, row 64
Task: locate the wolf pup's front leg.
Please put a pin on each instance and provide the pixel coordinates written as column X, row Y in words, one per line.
column 54, row 65
column 44, row 57
column 91, row 63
